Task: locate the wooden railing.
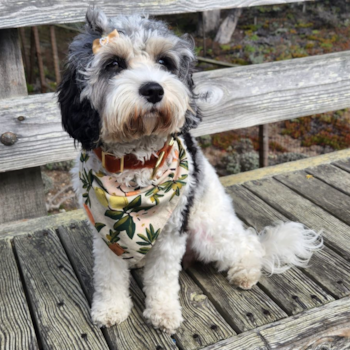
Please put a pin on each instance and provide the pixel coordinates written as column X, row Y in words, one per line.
column 16, row 13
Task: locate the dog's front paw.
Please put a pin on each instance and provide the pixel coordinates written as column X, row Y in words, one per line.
column 244, row 278
column 108, row 314
column 163, row 317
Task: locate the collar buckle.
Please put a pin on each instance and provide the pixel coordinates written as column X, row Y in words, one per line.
column 121, row 168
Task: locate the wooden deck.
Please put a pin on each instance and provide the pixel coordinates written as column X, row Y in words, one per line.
column 46, row 279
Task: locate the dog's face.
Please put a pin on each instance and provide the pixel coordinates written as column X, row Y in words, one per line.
column 136, row 82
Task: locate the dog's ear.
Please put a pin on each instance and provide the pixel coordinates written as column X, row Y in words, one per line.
column 193, row 116
column 79, row 119
column 96, row 21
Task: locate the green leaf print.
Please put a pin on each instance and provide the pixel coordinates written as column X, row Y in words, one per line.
column 143, row 237
column 120, row 224
column 144, row 250
column 99, row 182
column 136, row 202
column 99, row 226
column 114, row 214
column 126, row 224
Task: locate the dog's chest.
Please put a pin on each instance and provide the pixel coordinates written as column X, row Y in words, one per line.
column 130, row 218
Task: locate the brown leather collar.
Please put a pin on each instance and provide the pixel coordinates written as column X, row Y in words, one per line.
column 129, row 161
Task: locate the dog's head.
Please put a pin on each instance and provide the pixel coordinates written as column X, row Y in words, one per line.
column 126, row 78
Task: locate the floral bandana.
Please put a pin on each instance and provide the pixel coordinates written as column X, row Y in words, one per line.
column 129, row 218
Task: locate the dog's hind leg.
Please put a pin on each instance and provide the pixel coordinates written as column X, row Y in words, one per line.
column 111, row 302
column 217, row 235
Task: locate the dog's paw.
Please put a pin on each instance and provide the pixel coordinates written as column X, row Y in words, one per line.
column 164, row 318
column 108, row 314
column 243, row 278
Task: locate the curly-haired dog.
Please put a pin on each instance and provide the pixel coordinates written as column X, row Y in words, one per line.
column 128, row 97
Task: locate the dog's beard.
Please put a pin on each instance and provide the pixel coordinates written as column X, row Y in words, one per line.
column 128, row 116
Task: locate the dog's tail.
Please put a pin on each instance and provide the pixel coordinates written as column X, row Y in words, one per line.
column 288, row 244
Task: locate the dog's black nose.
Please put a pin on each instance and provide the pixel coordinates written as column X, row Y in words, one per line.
column 152, row 91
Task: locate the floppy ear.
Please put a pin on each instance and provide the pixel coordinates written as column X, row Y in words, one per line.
column 194, row 117
column 79, row 119
column 96, row 21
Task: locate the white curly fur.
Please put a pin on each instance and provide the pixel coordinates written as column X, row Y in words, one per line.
column 214, row 232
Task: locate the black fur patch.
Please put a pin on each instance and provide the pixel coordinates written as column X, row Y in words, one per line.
column 192, row 149
column 79, row 119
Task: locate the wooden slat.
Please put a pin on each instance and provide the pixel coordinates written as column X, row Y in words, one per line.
column 18, row 13
column 343, row 164
column 326, row 268
column 21, row 227
column 134, row 333
column 230, row 98
column 242, row 309
column 202, row 325
column 60, row 309
column 323, row 195
column 16, row 327
column 301, row 164
column 325, row 327
column 333, row 176
column 21, row 194
column 293, row 290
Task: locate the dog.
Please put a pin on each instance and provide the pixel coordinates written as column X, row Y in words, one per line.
column 127, row 96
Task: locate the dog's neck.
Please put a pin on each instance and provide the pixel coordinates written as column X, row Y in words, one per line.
column 142, row 148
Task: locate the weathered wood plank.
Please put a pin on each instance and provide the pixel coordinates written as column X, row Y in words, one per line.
column 134, row 333
column 325, row 327
column 333, row 176
column 247, row 341
column 284, row 168
column 230, row 98
column 323, row 195
column 326, row 268
column 21, row 227
column 60, row 309
column 18, row 13
column 293, row 291
column 343, row 164
column 21, row 194
column 243, row 310
column 16, row 327
column 202, row 325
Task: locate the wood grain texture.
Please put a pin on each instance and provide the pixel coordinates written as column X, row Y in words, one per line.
column 202, row 325
column 284, row 168
column 230, row 98
column 333, row 176
column 60, row 309
column 293, row 291
column 247, row 341
column 134, row 333
column 325, row 327
column 16, row 327
column 25, row 226
column 243, row 310
column 343, row 164
column 323, row 195
column 13, row 81
column 21, row 195
column 296, row 208
column 326, row 267
column 16, row 13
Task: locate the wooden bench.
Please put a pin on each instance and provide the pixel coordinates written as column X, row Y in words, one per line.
column 46, row 262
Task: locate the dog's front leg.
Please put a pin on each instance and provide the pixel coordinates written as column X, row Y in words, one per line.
column 161, row 281
column 111, row 302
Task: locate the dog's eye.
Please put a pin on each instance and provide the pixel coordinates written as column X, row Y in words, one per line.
column 167, row 63
column 115, row 65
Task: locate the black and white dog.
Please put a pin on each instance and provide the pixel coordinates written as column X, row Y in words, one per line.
column 128, row 98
